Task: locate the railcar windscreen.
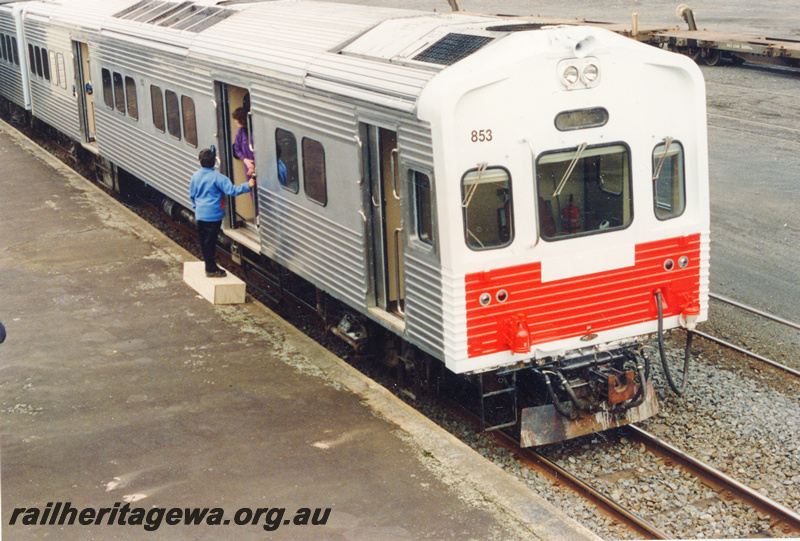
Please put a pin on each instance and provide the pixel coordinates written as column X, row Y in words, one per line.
column 486, row 203
column 668, row 180
column 584, row 190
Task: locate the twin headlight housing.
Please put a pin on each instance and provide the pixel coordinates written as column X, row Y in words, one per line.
column 578, row 73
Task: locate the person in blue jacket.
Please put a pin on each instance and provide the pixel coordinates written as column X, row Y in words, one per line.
column 206, row 190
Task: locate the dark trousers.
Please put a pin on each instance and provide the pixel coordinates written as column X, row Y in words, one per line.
column 208, row 243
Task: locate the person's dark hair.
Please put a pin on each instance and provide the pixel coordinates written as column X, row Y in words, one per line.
column 240, row 115
column 208, row 158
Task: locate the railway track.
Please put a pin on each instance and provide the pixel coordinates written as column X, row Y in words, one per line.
column 787, row 369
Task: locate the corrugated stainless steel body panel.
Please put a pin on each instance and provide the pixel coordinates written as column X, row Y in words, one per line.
column 324, row 244
column 424, row 324
column 157, row 158
column 10, row 73
column 52, row 104
column 415, row 142
column 321, row 250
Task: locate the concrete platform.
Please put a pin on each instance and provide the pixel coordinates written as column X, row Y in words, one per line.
column 227, row 290
column 120, row 388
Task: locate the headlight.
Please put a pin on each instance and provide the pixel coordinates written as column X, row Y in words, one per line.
column 590, row 74
column 570, row 75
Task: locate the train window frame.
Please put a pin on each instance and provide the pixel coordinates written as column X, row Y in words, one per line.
column 119, row 92
column 285, row 141
column 62, row 70
column 157, row 106
column 173, row 111
column 189, row 120
column 38, row 59
column 45, row 65
column 579, row 119
column 108, row 90
column 131, row 98
column 468, row 196
column 54, row 75
column 3, row 47
column 14, row 50
column 423, row 205
column 676, row 206
column 315, row 181
column 32, row 59
column 555, row 224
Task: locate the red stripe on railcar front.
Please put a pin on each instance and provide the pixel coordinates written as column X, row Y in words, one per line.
column 582, row 305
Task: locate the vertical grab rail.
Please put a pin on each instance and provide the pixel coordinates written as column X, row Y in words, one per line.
column 397, row 239
column 395, row 173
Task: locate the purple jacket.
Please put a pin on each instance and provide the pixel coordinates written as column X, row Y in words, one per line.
column 242, row 145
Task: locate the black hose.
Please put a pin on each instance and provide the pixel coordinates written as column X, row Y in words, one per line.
column 686, row 358
column 556, row 404
column 584, row 405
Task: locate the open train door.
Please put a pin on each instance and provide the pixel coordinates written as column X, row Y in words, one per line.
column 385, row 225
column 240, row 223
column 84, row 91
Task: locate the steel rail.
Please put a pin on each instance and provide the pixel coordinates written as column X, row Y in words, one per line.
column 718, row 480
column 559, row 475
column 756, row 311
column 756, row 356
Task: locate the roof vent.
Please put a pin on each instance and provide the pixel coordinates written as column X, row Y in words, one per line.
column 176, row 15
column 452, row 48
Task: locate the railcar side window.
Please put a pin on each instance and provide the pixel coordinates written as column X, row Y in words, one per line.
column 14, row 50
column 286, row 158
column 62, row 71
column 108, row 92
column 157, row 101
column 131, row 99
column 173, row 113
column 669, row 191
column 119, row 93
column 189, row 120
column 486, row 204
column 32, row 59
column 423, row 205
column 53, row 68
column 315, row 182
column 38, row 57
column 584, row 190
column 45, row 65
column 3, row 47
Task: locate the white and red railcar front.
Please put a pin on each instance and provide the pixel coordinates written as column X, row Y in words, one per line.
column 572, row 194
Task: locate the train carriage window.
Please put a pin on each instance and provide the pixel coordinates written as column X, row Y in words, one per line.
column 157, row 101
column 119, row 93
column 314, row 180
column 62, row 71
column 131, row 98
column 32, row 59
column 108, row 91
column 53, row 68
column 38, row 58
column 3, row 47
column 173, row 113
column 45, row 65
column 487, row 209
column 669, row 190
column 584, row 190
column 189, row 120
column 286, row 155
column 423, row 206
column 14, row 50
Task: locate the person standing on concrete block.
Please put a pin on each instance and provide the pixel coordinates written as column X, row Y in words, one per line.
column 206, row 190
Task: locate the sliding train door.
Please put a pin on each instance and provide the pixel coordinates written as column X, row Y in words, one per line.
column 83, row 91
column 381, row 171
column 240, row 211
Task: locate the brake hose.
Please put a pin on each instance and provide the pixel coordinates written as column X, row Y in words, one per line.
column 686, row 357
